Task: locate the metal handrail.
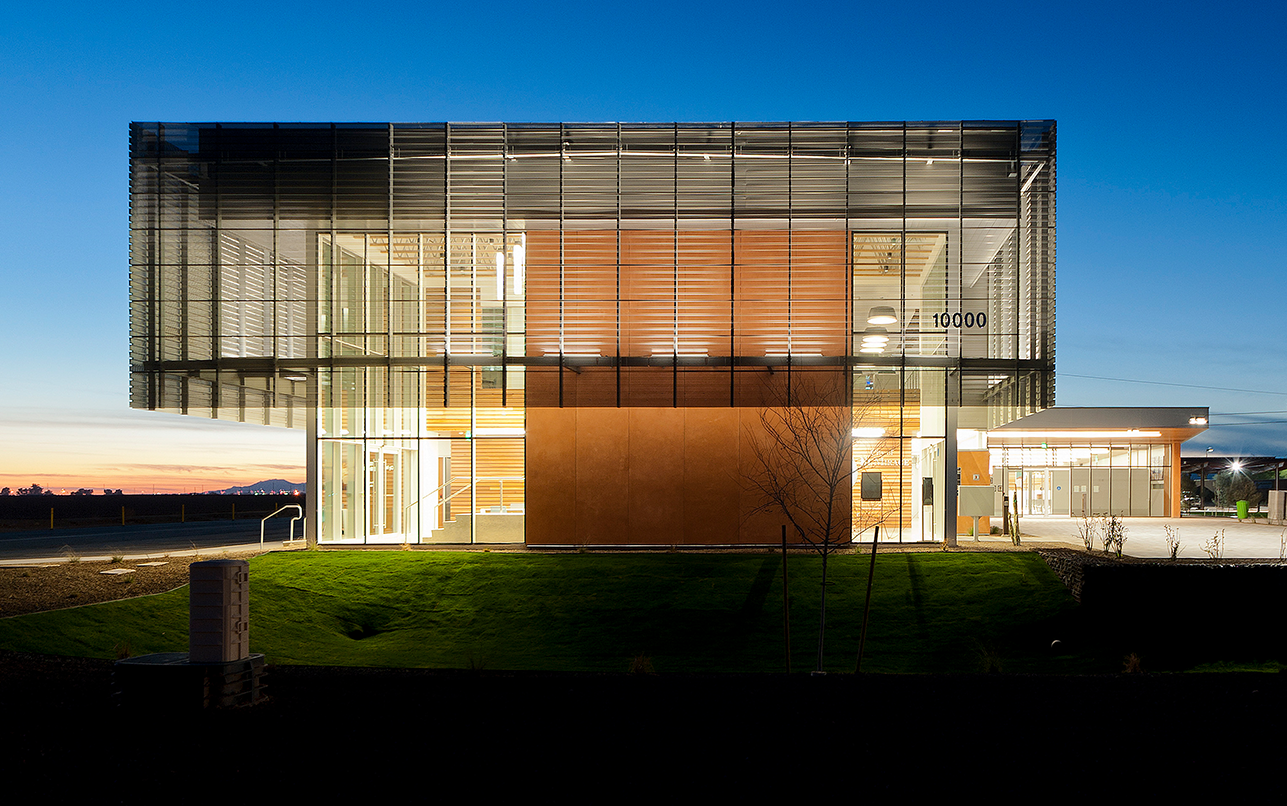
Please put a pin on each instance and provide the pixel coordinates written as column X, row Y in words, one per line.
column 406, row 511
column 263, row 522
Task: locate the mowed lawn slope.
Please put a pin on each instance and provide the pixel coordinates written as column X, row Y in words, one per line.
column 681, row 612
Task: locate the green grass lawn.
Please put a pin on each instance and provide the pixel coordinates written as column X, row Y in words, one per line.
column 597, row 612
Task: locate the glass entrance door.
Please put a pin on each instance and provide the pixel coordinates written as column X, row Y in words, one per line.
column 383, row 486
column 1038, row 492
column 1030, row 491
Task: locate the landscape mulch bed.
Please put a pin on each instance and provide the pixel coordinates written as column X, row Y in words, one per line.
column 39, row 587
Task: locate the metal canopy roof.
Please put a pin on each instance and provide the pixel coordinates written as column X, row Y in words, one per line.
column 1188, row 418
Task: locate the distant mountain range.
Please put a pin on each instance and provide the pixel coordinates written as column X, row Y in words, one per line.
column 262, row 488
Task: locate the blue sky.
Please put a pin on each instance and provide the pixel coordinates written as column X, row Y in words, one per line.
column 1171, row 212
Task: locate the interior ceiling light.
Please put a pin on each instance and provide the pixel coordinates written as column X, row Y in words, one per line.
column 871, row 348
column 882, row 315
column 875, row 335
column 1073, row 434
column 295, row 377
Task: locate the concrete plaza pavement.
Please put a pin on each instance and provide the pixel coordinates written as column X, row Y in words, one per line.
column 1146, row 537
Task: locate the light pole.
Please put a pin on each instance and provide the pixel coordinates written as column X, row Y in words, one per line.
column 1202, row 495
column 1235, row 467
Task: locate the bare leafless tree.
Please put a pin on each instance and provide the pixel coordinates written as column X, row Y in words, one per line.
column 805, row 460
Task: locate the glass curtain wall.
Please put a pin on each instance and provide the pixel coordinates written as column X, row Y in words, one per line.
column 1129, row 480
column 410, row 290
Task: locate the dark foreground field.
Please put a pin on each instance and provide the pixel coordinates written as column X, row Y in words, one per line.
column 329, row 732
column 335, row 734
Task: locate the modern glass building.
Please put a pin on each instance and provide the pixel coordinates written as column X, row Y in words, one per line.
column 564, row 333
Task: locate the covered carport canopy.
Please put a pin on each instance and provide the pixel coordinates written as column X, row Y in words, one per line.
column 1137, row 424
column 1142, row 478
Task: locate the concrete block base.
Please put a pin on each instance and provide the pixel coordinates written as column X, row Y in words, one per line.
column 171, row 680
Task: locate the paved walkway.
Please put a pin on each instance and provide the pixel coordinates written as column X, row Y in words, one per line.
column 144, row 541
column 1146, row 537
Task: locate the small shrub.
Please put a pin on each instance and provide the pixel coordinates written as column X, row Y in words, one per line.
column 1086, row 531
column 1114, row 535
column 117, row 559
column 1214, row 547
column 1173, row 544
column 995, row 530
column 122, row 650
column 641, row 664
column 1132, row 665
column 989, row 659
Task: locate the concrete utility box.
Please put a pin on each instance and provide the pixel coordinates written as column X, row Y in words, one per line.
column 219, row 611
column 1277, row 506
column 976, row 501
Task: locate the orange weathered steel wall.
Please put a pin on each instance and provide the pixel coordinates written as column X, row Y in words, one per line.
column 635, row 476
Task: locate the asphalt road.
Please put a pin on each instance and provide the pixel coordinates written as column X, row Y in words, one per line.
column 145, row 540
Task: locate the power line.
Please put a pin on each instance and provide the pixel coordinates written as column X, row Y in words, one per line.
column 1165, row 383
column 1245, row 413
column 1253, row 422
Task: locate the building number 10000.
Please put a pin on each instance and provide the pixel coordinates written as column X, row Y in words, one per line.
column 961, row 320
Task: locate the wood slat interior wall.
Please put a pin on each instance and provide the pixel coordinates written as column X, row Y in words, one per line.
column 500, row 468
column 691, row 295
column 900, row 489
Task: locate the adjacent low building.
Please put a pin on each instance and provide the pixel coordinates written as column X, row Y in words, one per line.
column 1074, row 462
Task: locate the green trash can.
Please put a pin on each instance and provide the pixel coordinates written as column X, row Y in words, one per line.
column 1242, row 510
